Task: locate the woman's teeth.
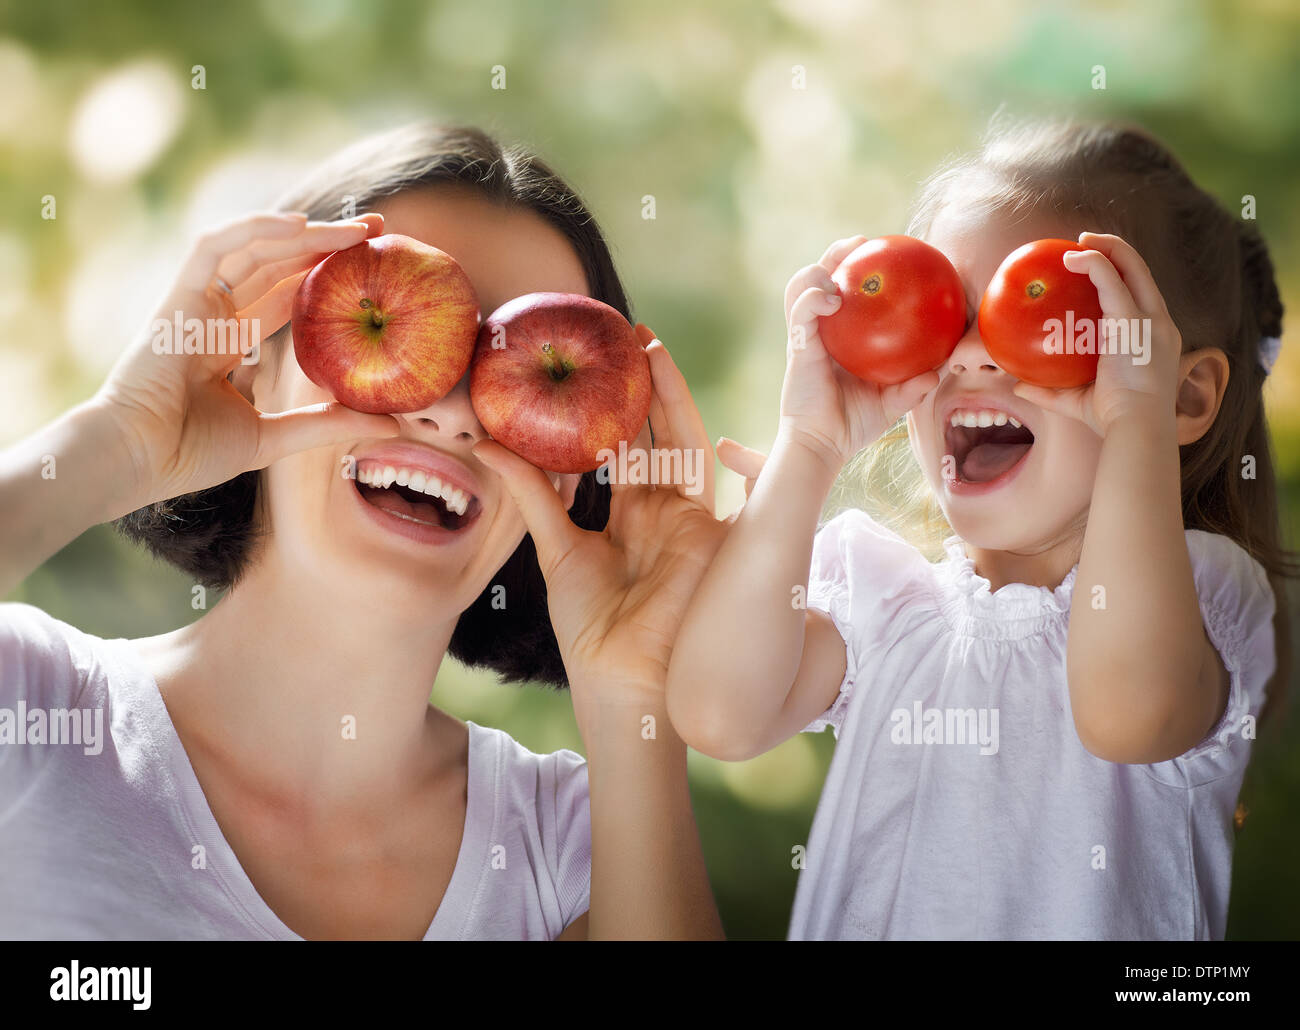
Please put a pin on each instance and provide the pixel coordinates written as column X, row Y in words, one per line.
column 981, row 419
column 455, row 498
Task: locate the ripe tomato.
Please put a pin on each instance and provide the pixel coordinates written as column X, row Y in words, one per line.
column 1030, row 314
column 904, row 310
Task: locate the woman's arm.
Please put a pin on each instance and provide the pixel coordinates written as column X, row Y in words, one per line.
column 58, row 483
column 1145, row 682
column 616, row 600
column 168, row 424
column 648, row 876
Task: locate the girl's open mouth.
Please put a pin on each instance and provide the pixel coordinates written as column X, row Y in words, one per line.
column 416, row 497
column 986, row 444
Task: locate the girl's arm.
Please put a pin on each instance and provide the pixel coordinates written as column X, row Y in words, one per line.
column 1146, row 684
column 751, row 666
column 168, row 424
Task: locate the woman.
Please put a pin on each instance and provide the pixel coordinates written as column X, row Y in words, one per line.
column 275, row 768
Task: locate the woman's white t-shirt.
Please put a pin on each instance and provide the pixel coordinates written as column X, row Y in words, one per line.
column 108, row 835
column 960, row 802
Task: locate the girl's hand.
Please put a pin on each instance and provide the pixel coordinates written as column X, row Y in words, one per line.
column 617, row 597
column 183, row 425
column 824, row 406
column 1123, row 386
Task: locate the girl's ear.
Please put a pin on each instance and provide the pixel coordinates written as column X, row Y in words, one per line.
column 1202, row 379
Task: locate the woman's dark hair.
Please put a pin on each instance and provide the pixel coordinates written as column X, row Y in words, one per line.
column 209, row 534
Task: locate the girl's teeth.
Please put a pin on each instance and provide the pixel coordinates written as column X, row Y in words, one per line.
column 390, row 475
column 416, row 482
column 433, row 486
column 403, row 477
column 981, row 419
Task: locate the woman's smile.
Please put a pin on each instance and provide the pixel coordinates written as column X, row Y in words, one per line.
column 416, row 492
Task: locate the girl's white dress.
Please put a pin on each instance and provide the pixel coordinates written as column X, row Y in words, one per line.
column 960, row 802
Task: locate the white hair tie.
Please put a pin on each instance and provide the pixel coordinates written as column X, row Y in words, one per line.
column 1269, row 348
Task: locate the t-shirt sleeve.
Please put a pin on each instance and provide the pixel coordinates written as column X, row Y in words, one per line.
column 861, row 574
column 39, row 663
column 1237, row 606
column 42, row 669
column 570, row 832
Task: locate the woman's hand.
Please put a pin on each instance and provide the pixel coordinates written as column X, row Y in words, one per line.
column 827, row 408
column 617, row 597
column 1127, row 291
column 182, row 424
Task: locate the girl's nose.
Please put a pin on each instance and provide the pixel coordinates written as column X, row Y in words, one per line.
column 969, row 355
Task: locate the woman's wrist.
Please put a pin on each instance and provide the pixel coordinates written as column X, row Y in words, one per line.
column 59, row 482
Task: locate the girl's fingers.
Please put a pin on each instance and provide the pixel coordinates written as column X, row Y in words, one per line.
column 744, row 461
column 901, row 398
column 1134, row 270
column 317, row 425
column 1116, row 300
column 839, row 250
column 553, row 533
column 201, row 266
column 804, row 279
column 1072, row 403
column 318, row 239
column 813, row 303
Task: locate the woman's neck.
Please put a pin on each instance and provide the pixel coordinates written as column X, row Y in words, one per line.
column 316, row 697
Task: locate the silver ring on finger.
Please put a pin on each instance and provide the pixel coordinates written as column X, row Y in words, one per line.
column 223, row 286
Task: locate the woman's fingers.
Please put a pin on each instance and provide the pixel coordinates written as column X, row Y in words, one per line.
column 553, row 533
column 317, row 425
column 201, row 266
column 245, row 268
column 689, row 441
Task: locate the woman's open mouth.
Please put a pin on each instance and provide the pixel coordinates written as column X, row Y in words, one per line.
column 986, row 445
column 417, row 498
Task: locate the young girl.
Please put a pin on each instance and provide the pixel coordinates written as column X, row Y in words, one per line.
column 275, row 770
column 1043, row 735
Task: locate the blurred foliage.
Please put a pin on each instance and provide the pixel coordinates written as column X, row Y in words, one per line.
column 691, row 104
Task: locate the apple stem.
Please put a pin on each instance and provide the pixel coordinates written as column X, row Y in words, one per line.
column 376, row 319
column 558, row 368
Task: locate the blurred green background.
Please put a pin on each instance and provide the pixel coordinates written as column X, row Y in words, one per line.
column 692, row 104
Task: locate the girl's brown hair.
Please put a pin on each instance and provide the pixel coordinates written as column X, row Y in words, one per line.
column 1217, row 280
column 210, row 534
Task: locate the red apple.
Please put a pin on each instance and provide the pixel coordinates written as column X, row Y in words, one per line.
column 559, row 377
column 388, row 325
